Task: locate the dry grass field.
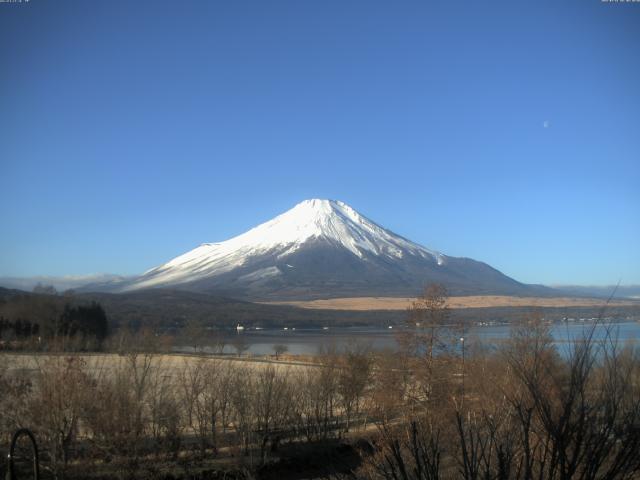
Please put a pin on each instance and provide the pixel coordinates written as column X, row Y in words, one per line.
column 170, row 363
column 477, row 301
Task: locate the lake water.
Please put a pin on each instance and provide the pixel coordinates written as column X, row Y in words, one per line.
column 310, row 342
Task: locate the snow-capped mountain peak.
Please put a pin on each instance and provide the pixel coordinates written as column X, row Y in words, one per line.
column 320, row 249
column 329, row 221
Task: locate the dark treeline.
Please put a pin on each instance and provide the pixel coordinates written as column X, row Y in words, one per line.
column 85, row 320
column 20, row 329
column 44, row 320
column 168, row 310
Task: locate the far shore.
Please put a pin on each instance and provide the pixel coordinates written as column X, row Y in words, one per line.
column 474, row 301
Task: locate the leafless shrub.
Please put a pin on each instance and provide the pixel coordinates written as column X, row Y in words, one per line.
column 272, row 407
column 354, row 377
column 411, row 453
column 316, row 412
column 279, row 349
column 55, row 406
column 240, row 344
column 241, row 394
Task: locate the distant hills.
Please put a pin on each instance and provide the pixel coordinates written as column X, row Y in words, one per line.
column 61, row 283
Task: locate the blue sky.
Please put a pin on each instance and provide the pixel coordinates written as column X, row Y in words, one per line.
column 504, row 131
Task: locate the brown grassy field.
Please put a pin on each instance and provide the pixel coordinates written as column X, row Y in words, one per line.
column 170, row 363
column 478, row 301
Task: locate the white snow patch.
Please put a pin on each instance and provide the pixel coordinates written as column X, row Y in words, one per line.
column 260, row 274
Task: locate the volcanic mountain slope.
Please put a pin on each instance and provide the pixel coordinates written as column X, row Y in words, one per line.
column 323, row 249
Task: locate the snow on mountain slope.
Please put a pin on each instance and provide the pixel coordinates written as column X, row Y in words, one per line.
column 321, row 249
column 309, row 221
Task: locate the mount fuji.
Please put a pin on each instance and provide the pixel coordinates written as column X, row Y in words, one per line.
column 322, row 249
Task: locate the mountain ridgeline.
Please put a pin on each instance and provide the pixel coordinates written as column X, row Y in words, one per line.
column 320, row 249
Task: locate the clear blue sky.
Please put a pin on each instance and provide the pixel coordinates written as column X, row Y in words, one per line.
column 509, row 132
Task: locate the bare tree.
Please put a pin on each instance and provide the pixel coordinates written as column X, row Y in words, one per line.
column 428, row 334
column 389, row 386
column 272, row 403
column 56, row 405
column 411, row 452
column 280, row 349
column 192, row 384
column 240, row 344
column 215, row 399
column 353, row 378
column 164, row 414
column 241, row 394
column 316, row 399
column 194, row 334
column 218, row 341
